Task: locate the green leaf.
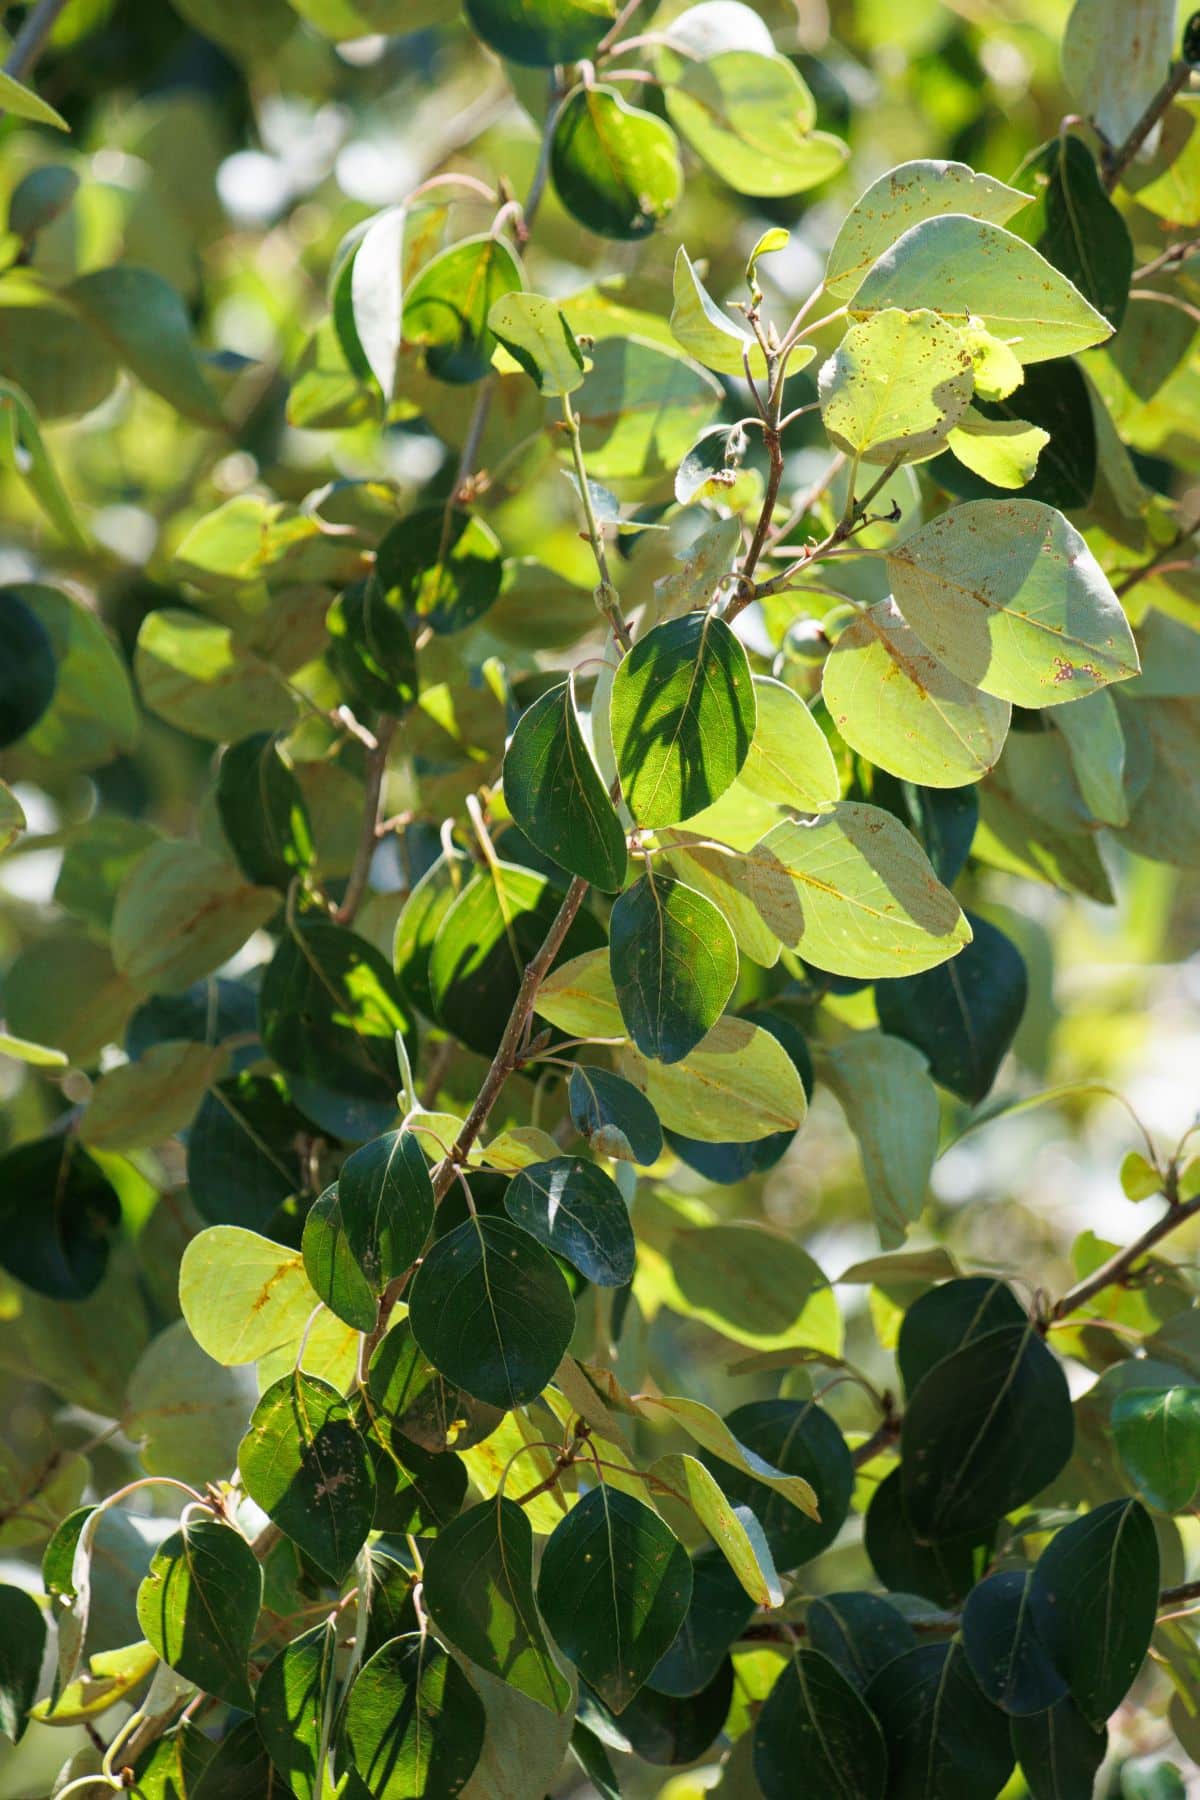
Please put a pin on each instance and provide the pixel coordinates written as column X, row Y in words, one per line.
column 854, row 892
column 613, row 1588
column 243, row 1155
column 181, row 911
column 1007, row 594
column 1114, row 59
column 943, row 1737
column 902, row 709
column 1041, row 438
column 23, row 103
column 890, row 1105
column 954, row 1313
column 370, row 648
column 683, row 718
column 613, row 1116
column 943, row 1570
column 491, row 1311
column 193, row 672
column 1001, row 453
column 709, row 557
column 1059, row 1752
column 641, row 409
column 541, row 32
column 92, row 714
column 331, row 1266
column 293, row 1705
column 815, row 1719
column 447, row 306
column 988, row 1428
column 386, row 1200
column 303, row 1461
column 1157, row 1432
column 1096, row 741
column 706, row 1428
column 22, row 1642
column 750, row 118
column 577, row 1211
column 718, row 1612
column 96, row 862
column 263, row 813
column 17, row 410
column 59, row 1214
column 859, row 1633
column 969, row 269
column 242, row 1295
column 441, row 565
column 615, row 168
column 674, row 964
column 329, row 1011
column 186, row 1411
column 146, row 323
column 28, row 672
column 733, row 1529
column 536, row 334
column 413, row 1722
column 1098, row 1646
column 700, row 327
column 963, row 1016
column 421, row 1404
column 486, row 937
column 1007, row 1658
column 789, row 760
column 416, row 1490
column 896, row 386
column 199, row 1604
column 798, row 1438
column 902, row 198
column 1075, row 225
column 141, row 1103
column 556, row 794
column 12, row 820
column 478, row 1585
column 738, row 1085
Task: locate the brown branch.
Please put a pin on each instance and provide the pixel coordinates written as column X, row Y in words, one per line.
column 882, row 1438
column 368, row 835
column 1117, row 1271
column 1114, row 162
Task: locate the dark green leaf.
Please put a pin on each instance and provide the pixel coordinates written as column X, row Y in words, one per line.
column 815, row 1719
column 593, row 1758
column 331, row 1266
column 446, row 308
column 415, row 1490
column 329, row 1012
column 859, row 1632
column 414, row 1724
column 944, row 1739
column 1157, row 1431
column 442, row 566
column 1007, row 1657
column 41, row 197
column 1094, row 1597
column 541, row 32
column 674, row 963
column 964, row 1014
column 1075, row 225
column 666, row 1729
column 488, row 934
column 59, row 1214
column 27, row 668
column 387, row 1205
column 22, row 1641
column 577, row 1211
column 615, row 1118
column 800, row 1438
column 986, row 1429
column 245, row 1152
column 943, row 1570
column 416, row 929
column 371, row 650
column 421, row 1404
column 263, row 812
column 199, row 1604
column 556, row 795
column 492, row 1312
column 614, row 1589
column 1059, row 1752
column 683, row 716
column 391, row 1610
column 304, row 1462
column 615, row 167
column 238, row 1769
column 145, row 321
column 478, row 1586
column 718, row 1612
column 949, row 1316
column 292, row 1707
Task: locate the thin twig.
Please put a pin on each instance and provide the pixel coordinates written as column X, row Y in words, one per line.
column 1114, row 162
column 32, row 39
column 1117, row 1271
column 356, row 886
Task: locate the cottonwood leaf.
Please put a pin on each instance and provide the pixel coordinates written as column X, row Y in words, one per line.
column 292, row 1707
column 413, row 1722
column 615, row 168
column 557, row 796
column 303, row 1461
column 800, row 1439
column 962, row 1016
column 739, row 1084
column 733, row 1529
column 1007, row 1657
column 576, row 1210
column 332, row 1268
column 789, row 761
column 181, row 911
column 448, row 302
column 709, row 1430
column 944, row 1737
column 815, row 1719
column 750, row 116
column 896, row 386
column 536, row 334
column 199, row 1604
column 386, row 1200
column 902, row 198
column 615, row 1118
column 674, row 963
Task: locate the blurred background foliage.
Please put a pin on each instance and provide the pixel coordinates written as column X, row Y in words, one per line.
column 230, row 148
